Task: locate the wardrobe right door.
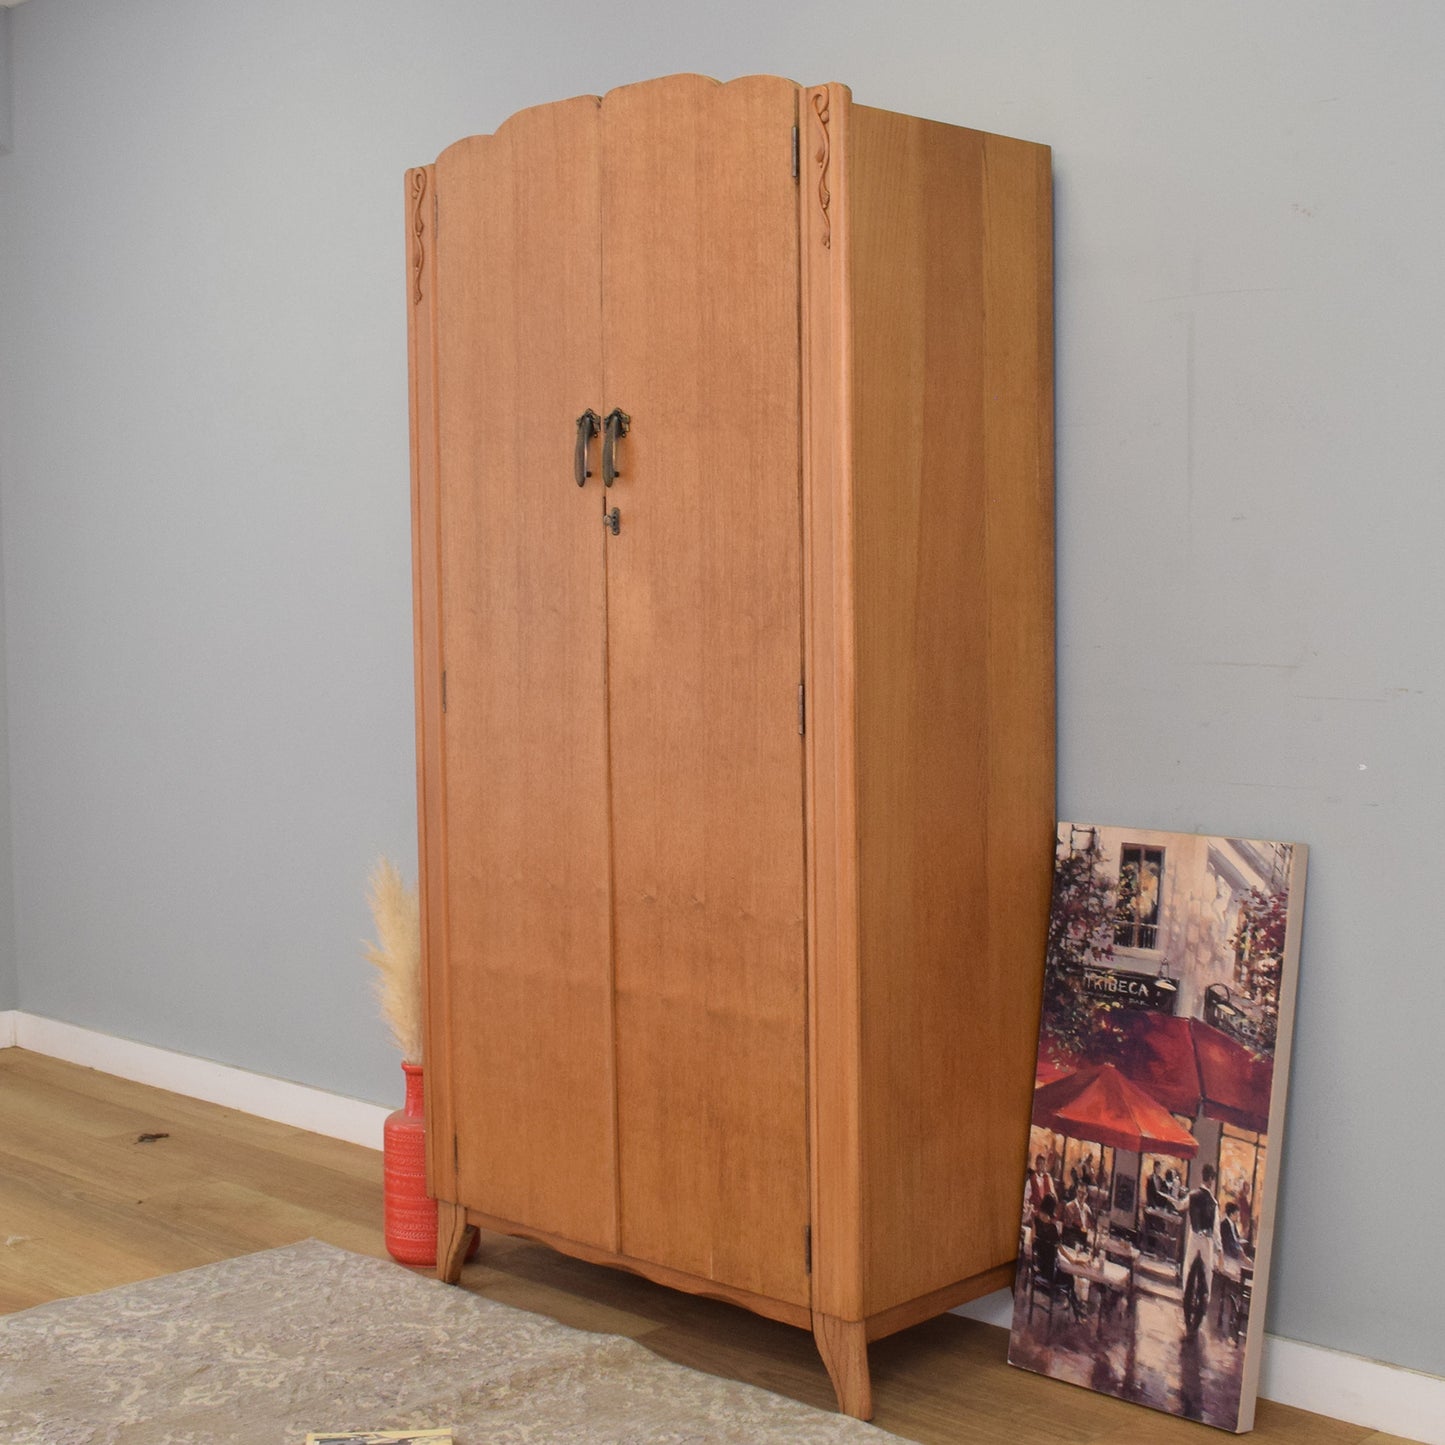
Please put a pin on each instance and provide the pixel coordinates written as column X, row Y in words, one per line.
column 704, row 587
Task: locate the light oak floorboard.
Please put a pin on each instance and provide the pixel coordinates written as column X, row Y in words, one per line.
column 85, row 1207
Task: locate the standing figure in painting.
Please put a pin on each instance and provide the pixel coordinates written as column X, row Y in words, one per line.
column 1157, row 1195
column 1037, row 1188
column 1078, row 1219
column 1202, row 1244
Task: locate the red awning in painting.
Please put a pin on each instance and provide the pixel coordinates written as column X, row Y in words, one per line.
column 1046, row 1071
column 1193, row 1068
column 1099, row 1104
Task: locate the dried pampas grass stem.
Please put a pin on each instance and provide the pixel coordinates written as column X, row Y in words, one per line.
column 397, row 956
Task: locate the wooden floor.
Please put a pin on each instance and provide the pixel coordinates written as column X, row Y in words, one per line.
column 86, row 1205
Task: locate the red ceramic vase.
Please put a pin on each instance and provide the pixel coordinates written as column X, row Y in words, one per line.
column 410, row 1214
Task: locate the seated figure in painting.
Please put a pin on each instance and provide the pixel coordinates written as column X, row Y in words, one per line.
column 1047, row 1239
column 1230, row 1234
column 1246, row 1207
column 1047, row 1236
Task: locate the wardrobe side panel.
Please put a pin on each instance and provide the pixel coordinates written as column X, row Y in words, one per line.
column 953, row 466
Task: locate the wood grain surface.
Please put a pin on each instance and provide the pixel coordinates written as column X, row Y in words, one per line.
column 831, row 740
column 420, row 220
column 951, row 352
column 808, row 964
column 525, row 992
column 704, row 603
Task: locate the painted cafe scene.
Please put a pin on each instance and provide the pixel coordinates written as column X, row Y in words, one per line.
column 1168, row 997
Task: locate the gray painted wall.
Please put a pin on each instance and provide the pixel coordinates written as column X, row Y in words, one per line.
column 205, row 496
column 5, row 116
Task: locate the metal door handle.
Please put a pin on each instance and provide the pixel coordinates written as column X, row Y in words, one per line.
column 588, row 425
column 616, row 425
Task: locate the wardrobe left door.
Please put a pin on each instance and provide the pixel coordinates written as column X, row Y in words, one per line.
column 519, row 939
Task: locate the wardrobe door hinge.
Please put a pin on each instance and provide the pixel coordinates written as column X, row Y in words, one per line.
column 795, row 152
column 444, row 690
column 802, row 709
column 807, row 1249
column 456, row 1156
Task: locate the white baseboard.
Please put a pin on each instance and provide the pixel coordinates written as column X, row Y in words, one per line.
column 1309, row 1377
column 1327, row 1382
column 299, row 1105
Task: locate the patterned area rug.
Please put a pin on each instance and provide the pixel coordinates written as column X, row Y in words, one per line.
column 261, row 1349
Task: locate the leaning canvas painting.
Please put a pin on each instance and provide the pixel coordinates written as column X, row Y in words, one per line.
column 1148, row 1205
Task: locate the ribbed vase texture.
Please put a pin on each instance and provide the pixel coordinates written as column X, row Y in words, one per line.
column 410, row 1215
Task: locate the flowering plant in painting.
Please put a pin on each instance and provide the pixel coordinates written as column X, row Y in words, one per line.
column 1082, row 921
column 1261, row 924
column 1258, row 942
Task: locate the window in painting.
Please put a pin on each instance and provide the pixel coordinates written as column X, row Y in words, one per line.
column 1241, row 1173
column 1141, row 880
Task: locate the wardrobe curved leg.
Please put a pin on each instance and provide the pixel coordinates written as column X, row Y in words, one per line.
column 843, row 1345
column 454, row 1239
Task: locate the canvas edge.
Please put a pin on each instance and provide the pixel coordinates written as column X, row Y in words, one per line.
column 1279, row 1097
column 281, row 1100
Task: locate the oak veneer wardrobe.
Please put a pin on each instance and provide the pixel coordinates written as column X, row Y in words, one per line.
column 736, row 762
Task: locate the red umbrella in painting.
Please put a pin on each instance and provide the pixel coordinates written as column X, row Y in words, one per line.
column 1101, row 1105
